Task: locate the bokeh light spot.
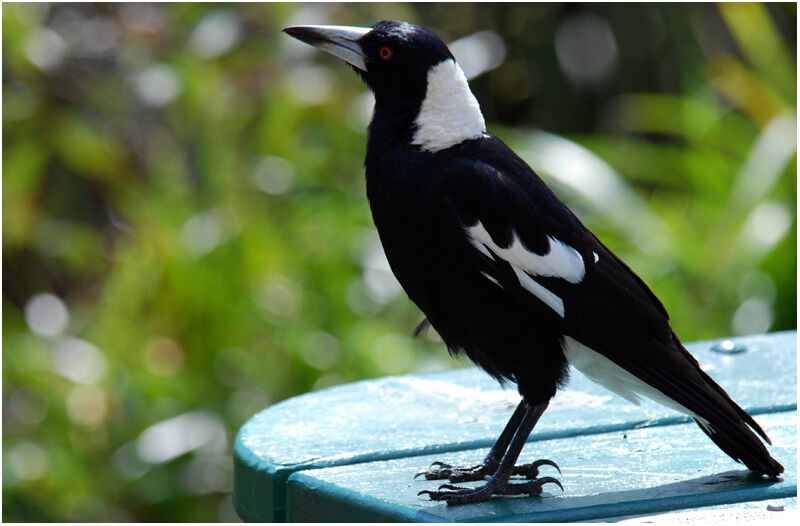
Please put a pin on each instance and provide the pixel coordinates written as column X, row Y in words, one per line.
column 586, row 49
column 273, row 175
column 46, row 314
column 79, row 361
column 309, row 85
column 87, row 405
column 157, row 85
column 205, row 475
column 280, row 296
column 176, row 436
column 162, row 356
column 381, row 284
column 320, row 350
column 754, row 316
column 478, row 53
column 766, row 225
column 27, row 406
column 216, row 33
column 27, row 461
column 45, row 49
column 392, row 354
column 127, row 463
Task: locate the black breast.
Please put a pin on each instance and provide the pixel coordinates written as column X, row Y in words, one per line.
column 431, row 258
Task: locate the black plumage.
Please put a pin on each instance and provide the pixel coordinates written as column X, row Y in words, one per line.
column 502, row 269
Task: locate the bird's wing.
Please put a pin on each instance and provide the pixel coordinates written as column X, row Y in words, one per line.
column 535, row 249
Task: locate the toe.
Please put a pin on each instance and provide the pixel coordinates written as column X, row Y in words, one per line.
column 549, row 480
column 547, row 462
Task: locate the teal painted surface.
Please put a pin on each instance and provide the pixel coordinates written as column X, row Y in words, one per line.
column 402, row 416
column 613, row 474
column 255, row 487
column 754, row 511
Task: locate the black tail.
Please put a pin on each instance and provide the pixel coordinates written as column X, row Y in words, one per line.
column 746, row 448
column 673, row 371
column 730, row 427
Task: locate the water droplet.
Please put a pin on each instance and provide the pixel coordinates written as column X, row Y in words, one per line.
column 728, row 347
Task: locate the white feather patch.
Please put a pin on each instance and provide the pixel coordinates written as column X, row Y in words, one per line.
column 540, row 291
column 561, row 261
column 450, row 114
column 487, row 276
column 603, row 371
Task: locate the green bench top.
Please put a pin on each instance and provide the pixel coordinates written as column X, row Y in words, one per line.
column 350, row 452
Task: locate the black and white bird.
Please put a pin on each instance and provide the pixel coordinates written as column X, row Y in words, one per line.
column 502, row 269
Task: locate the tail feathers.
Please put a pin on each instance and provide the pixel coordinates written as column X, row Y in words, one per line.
column 741, row 444
column 728, row 425
column 738, row 410
column 672, row 376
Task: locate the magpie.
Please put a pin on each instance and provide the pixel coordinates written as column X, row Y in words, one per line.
column 502, row 269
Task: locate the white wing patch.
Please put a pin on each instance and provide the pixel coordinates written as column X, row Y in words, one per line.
column 603, row 371
column 450, row 113
column 541, row 292
column 560, row 261
column 487, row 276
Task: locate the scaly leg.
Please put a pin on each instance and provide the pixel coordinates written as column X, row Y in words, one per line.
column 498, row 484
column 440, row 470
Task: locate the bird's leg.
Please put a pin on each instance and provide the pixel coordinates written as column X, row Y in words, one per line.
column 440, row 470
column 498, row 484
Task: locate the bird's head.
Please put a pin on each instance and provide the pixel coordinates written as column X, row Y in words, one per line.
column 413, row 75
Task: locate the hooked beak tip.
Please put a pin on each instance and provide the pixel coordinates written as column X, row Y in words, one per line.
column 340, row 41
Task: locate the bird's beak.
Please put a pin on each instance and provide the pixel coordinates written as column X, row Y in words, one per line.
column 341, row 41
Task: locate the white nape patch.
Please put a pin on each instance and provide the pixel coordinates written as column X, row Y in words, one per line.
column 603, row 371
column 596, row 257
column 450, row 114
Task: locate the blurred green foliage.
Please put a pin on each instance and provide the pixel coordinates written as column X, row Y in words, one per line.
column 186, row 238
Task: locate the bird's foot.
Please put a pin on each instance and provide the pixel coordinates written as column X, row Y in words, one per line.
column 456, row 495
column 531, row 471
column 440, row 470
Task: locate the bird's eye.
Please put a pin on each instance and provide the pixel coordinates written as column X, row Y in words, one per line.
column 385, row 52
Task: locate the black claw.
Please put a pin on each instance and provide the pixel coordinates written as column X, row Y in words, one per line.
column 458, row 495
column 544, row 480
column 546, row 462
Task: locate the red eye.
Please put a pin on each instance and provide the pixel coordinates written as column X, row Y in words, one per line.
column 385, row 52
